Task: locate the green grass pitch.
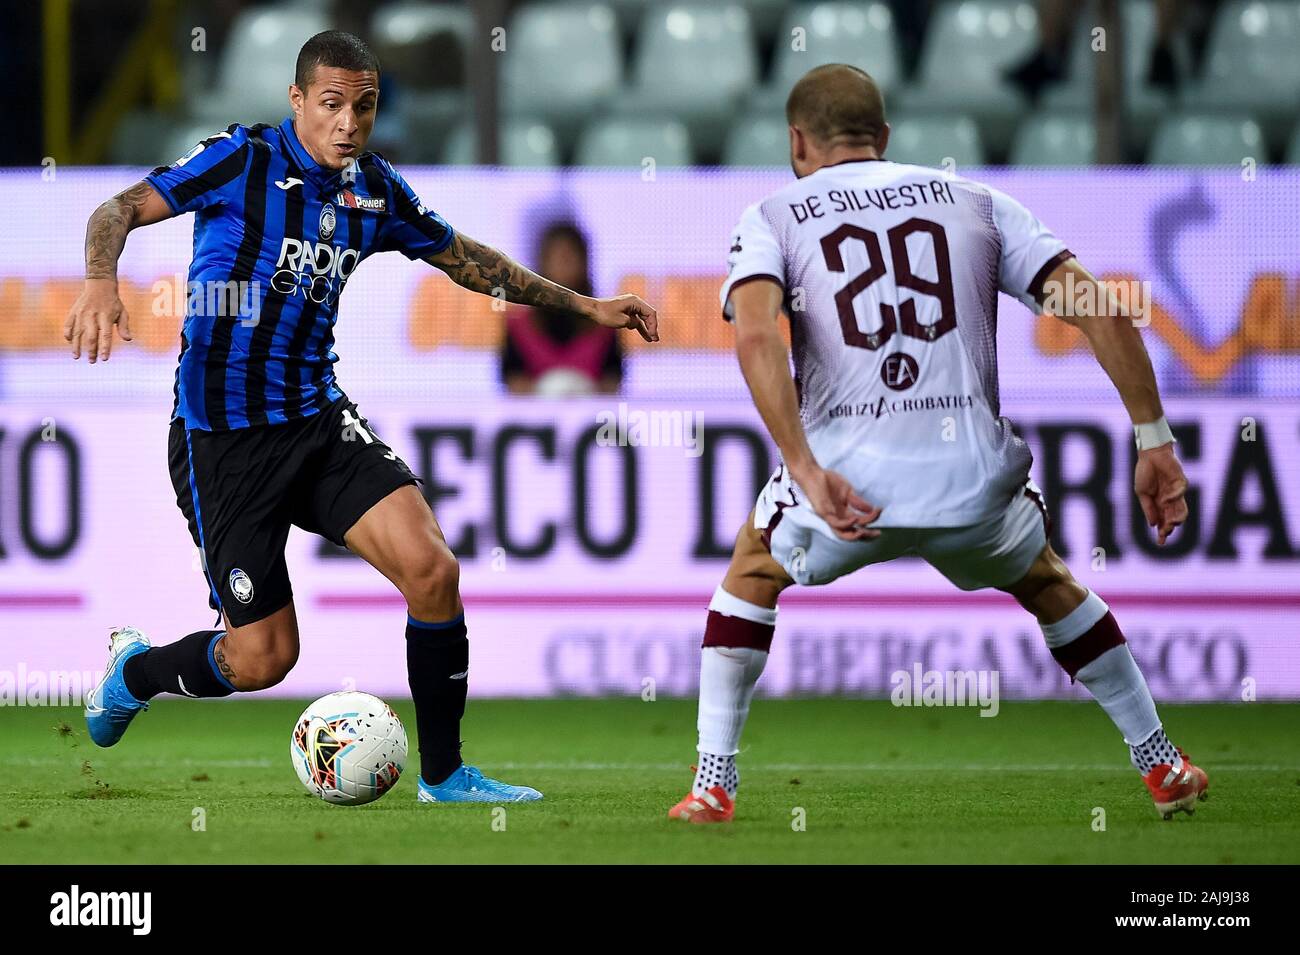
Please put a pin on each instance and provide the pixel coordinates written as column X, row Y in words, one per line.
column 875, row 783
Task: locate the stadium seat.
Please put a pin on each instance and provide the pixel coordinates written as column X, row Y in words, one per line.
column 427, row 118
column 1143, row 103
column 142, row 138
column 859, row 34
column 762, row 140
column 626, row 141
column 1252, row 65
column 694, row 63
column 1206, row 140
column 765, row 15
column 521, row 143
column 561, row 62
column 929, row 140
column 629, row 14
column 1049, row 139
column 416, row 41
column 968, row 46
column 766, row 18
column 257, row 65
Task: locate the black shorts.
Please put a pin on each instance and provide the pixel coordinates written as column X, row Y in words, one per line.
column 240, row 491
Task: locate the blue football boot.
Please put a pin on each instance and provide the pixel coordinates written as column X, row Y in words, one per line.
column 468, row 784
column 110, row 707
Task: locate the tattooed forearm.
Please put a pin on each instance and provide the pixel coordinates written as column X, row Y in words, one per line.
column 107, row 230
column 481, row 268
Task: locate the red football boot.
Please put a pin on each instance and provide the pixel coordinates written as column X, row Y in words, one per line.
column 714, row 806
column 1177, row 791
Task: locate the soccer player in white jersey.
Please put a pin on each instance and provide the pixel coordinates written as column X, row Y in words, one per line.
column 890, row 434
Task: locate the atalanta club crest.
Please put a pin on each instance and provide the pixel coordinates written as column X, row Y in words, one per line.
column 241, row 586
column 327, row 221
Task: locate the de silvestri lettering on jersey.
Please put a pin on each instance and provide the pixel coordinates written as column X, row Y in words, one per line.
column 276, row 237
column 891, row 274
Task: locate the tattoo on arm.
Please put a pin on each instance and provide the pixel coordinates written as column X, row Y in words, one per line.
column 481, row 268
column 107, row 230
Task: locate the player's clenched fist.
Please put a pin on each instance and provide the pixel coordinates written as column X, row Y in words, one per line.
column 1160, row 485
column 837, row 503
column 628, row 311
column 90, row 322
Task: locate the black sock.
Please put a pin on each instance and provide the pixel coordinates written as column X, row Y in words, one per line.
column 437, row 665
column 185, row 668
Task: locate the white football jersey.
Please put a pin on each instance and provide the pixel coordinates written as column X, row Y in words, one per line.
column 891, row 274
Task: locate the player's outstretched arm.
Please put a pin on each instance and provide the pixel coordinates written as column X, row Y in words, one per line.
column 98, row 308
column 481, row 268
column 765, row 363
column 1159, row 481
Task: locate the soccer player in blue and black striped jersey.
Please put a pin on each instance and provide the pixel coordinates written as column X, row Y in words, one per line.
column 262, row 436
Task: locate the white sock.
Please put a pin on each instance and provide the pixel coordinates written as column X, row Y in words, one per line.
column 730, row 605
column 1113, row 679
column 728, row 676
column 1117, row 684
column 1076, row 623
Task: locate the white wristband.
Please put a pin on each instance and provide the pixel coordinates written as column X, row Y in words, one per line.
column 1153, row 434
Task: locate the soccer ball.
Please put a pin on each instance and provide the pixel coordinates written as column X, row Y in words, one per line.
column 348, row 748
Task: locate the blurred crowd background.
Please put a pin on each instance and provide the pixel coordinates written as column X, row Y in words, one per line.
column 579, row 103
column 573, row 82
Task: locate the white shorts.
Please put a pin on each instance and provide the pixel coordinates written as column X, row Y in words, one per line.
column 995, row 553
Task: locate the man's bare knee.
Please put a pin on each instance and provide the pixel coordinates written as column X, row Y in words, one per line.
column 754, row 575
column 264, row 670
column 430, row 581
column 259, row 655
column 435, row 573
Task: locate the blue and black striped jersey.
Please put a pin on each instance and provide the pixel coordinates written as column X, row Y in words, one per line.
column 275, row 238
